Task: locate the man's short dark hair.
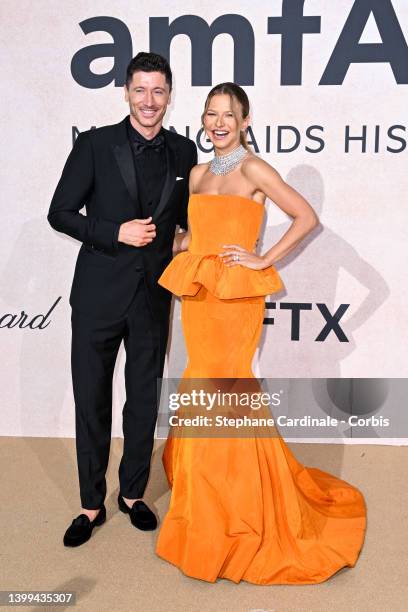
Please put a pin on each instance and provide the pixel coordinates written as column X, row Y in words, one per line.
column 149, row 62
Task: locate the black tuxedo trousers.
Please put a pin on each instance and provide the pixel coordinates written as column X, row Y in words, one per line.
column 95, row 345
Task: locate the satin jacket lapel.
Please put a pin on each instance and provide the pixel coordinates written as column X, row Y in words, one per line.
column 171, row 157
column 124, row 158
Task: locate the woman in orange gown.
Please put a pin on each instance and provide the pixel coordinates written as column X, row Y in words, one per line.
column 243, row 508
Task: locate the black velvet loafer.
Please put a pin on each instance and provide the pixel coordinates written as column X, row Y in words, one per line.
column 81, row 528
column 140, row 515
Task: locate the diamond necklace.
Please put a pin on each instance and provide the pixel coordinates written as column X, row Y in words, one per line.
column 223, row 164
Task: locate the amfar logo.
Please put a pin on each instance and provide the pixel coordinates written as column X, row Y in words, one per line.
column 291, row 26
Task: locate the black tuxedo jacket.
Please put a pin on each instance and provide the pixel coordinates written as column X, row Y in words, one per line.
column 99, row 174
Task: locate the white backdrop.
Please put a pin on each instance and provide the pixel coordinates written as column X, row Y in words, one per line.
column 358, row 257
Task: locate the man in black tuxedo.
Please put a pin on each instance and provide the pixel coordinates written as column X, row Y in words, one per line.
column 132, row 178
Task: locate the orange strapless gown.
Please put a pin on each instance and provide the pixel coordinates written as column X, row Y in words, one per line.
column 243, row 508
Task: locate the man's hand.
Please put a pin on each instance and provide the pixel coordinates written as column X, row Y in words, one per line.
column 137, row 232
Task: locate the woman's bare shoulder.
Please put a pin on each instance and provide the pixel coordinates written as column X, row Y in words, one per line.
column 253, row 163
column 256, row 169
column 196, row 174
column 200, row 168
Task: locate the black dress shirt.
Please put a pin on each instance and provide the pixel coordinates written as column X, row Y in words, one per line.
column 149, row 157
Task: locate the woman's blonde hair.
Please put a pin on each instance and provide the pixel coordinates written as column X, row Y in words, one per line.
column 234, row 91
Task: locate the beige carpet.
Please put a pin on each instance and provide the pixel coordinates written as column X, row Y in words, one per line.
column 118, row 569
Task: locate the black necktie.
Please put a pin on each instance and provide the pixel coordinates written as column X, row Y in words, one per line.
column 155, row 144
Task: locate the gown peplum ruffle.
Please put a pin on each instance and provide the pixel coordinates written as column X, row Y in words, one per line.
column 229, row 220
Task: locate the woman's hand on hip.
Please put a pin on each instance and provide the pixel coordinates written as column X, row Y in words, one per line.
column 235, row 255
